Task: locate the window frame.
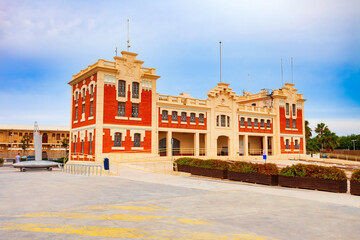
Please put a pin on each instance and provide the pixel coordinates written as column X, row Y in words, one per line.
column 287, row 109
column 192, row 117
column 268, row 124
column 222, row 120
column 117, row 139
column 287, row 123
column 135, row 90
column 249, row 120
column 262, row 123
column 201, row 118
column 135, row 110
column 91, row 108
column 242, row 122
column 121, row 88
column 164, row 115
column 183, row 117
column 90, row 143
column 287, row 144
column 137, row 140
column 294, row 123
column 121, row 106
column 256, row 123
column 174, row 116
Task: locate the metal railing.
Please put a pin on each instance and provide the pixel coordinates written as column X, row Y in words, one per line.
column 83, row 169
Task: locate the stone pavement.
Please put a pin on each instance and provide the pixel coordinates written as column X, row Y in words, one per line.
column 39, row 204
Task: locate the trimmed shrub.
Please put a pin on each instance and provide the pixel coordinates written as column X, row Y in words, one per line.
column 248, row 167
column 184, row 161
column 355, row 176
column 210, row 164
column 313, row 171
column 1, row 160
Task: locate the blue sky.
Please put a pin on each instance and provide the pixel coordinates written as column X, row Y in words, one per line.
column 44, row 43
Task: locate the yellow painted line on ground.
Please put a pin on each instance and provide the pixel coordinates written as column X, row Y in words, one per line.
column 112, row 217
column 117, row 207
column 122, row 232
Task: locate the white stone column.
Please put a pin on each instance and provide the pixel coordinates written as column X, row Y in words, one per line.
column 168, row 144
column 265, row 144
column 246, row 145
column 196, row 144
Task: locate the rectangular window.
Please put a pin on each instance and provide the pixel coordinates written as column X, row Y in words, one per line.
column 217, row 120
column 137, row 140
column 294, row 123
column 90, row 143
column 75, row 143
column 117, row 142
column 287, row 109
column 121, row 109
column 254, row 104
column 249, row 123
column 135, row 110
column 287, row 146
column 201, row 118
column 20, row 134
column 287, row 123
column 256, row 123
column 83, row 108
column 223, row 120
column 262, row 123
column 268, row 124
column 76, row 113
column 183, row 117
column 82, row 147
column 91, row 108
column 242, row 122
column 174, row 116
column 76, row 97
column 228, row 121
column 83, row 94
column 58, row 136
column 294, row 110
column 135, row 90
column 192, row 117
column 164, row 115
column 121, row 88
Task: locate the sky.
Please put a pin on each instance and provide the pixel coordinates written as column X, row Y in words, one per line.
column 44, row 43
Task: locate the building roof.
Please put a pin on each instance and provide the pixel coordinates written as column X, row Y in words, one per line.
column 31, row 127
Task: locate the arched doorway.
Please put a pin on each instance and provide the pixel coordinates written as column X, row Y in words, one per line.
column 223, row 146
column 175, row 147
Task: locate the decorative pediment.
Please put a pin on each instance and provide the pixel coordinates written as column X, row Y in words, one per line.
column 222, row 89
column 291, row 93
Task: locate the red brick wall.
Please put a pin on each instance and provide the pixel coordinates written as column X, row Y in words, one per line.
column 254, row 130
column 111, row 105
column 299, row 122
column 292, row 146
column 108, row 143
column 87, row 104
column 183, row 125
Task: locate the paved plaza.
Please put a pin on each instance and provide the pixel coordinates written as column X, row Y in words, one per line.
column 40, row 204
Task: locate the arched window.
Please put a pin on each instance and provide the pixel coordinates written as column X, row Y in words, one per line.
column 164, row 115
column 83, row 94
column 117, row 142
column 135, row 90
column 76, row 97
column 297, row 144
column 268, row 124
column 121, row 88
column 294, row 110
column 262, row 123
column 192, row 117
column 183, row 117
column 174, row 116
column 201, row 118
column 287, row 108
column 249, row 123
column 92, row 90
column 287, row 145
column 137, row 140
column 90, row 143
column 256, row 123
column 242, row 122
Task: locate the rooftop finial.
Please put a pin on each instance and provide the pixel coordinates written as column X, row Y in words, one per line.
column 128, row 35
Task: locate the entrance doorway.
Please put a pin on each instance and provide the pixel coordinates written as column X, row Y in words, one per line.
column 223, row 146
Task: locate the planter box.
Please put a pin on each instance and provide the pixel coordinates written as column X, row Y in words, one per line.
column 314, row 184
column 254, row 178
column 354, row 188
column 215, row 173
column 183, row 168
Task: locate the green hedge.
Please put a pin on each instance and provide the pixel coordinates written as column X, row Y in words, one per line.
column 248, row 167
column 184, row 161
column 355, row 176
column 1, row 160
column 314, row 171
column 210, row 164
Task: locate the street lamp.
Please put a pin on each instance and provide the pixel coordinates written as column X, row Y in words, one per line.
column 354, row 143
column 11, row 144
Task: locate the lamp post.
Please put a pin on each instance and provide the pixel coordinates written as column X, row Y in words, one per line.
column 11, row 144
column 354, row 143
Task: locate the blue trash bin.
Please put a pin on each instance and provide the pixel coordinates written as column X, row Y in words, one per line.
column 106, row 164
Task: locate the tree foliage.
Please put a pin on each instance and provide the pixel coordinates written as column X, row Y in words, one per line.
column 25, row 142
column 65, row 143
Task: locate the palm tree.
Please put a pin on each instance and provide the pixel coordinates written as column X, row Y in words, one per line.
column 331, row 140
column 320, row 130
column 308, row 131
